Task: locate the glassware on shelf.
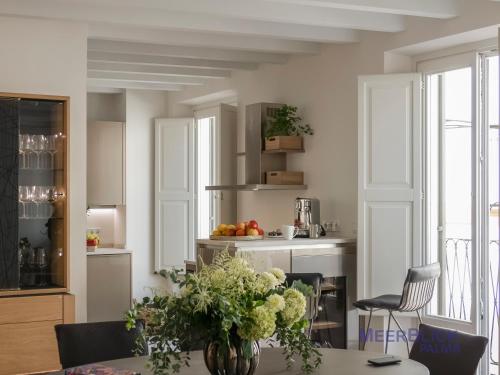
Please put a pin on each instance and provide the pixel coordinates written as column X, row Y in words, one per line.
column 36, row 201
column 37, row 151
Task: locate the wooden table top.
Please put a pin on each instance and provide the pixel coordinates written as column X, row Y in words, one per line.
column 272, row 361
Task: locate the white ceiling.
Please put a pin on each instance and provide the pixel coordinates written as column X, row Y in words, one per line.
column 171, row 44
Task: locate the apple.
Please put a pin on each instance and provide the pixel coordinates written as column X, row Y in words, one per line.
column 241, row 232
column 252, row 224
column 230, row 232
column 261, row 231
column 241, row 226
column 216, row 233
column 252, row 232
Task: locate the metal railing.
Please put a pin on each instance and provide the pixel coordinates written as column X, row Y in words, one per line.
column 457, row 279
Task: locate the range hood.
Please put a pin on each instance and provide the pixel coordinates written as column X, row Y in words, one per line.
column 256, row 187
column 257, row 161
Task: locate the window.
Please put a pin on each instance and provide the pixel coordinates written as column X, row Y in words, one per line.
column 206, row 207
column 450, row 139
column 462, row 193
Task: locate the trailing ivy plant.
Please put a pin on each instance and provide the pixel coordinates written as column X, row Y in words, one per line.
column 286, row 122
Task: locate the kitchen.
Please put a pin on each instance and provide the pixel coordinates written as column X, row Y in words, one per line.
column 165, row 159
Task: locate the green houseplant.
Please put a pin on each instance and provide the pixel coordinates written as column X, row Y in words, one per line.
column 229, row 307
column 285, row 130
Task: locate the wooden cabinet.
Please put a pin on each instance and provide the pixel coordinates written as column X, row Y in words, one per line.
column 106, row 163
column 34, row 147
column 28, row 342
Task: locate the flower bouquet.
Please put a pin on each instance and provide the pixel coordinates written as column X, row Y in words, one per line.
column 228, row 307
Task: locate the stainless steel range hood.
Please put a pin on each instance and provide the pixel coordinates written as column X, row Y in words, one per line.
column 258, row 162
column 256, row 187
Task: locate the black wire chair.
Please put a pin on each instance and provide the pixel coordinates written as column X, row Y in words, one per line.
column 417, row 293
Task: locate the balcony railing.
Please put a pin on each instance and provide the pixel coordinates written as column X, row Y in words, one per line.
column 457, row 279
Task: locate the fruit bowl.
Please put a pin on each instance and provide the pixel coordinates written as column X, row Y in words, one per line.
column 236, row 238
column 243, row 231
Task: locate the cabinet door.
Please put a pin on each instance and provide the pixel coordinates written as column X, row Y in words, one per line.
column 105, row 163
column 28, row 347
column 9, row 154
column 108, row 286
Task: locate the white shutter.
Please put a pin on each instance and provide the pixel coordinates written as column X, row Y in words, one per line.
column 389, row 181
column 174, row 192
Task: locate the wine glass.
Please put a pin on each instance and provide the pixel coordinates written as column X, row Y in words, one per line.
column 52, row 148
column 22, row 156
column 29, row 144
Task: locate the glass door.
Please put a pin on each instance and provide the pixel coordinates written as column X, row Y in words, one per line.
column 42, row 193
column 451, row 189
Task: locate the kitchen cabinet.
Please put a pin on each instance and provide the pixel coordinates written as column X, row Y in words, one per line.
column 106, row 163
column 109, row 284
column 333, row 257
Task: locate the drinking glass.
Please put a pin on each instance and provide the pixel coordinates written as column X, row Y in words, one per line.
column 41, row 144
column 52, row 148
column 26, row 198
column 22, row 156
column 29, row 143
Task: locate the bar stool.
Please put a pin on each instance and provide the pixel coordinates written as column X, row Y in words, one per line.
column 418, row 289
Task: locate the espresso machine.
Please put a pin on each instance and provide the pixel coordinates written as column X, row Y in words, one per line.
column 306, row 215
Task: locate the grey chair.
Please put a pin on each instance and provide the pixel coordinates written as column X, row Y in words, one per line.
column 448, row 352
column 417, row 292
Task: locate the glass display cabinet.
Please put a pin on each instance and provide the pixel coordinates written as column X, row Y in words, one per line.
column 33, row 194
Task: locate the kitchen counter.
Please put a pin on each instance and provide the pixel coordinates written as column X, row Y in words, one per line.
column 270, row 243
column 108, row 251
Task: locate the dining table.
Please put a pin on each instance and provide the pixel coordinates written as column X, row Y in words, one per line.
column 272, row 361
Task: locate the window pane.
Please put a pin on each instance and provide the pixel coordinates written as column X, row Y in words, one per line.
column 204, row 167
column 449, row 176
column 492, row 103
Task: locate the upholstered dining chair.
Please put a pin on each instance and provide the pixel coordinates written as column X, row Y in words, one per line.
column 417, row 292
column 448, row 352
column 85, row 343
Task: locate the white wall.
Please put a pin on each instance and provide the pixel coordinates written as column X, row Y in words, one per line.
column 105, row 107
column 50, row 57
column 142, row 107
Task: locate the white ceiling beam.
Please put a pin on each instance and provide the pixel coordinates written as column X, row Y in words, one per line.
column 422, row 8
column 214, row 40
column 147, row 78
column 262, row 10
column 168, row 61
column 103, row 90
column 110, row 84
column 96, row 66
column 155, row 18
column 189, row 52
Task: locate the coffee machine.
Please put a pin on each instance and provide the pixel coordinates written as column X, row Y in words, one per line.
column 306, row 214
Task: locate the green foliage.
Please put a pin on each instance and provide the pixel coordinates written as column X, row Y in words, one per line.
column 227, row 302
column 306, row 289
column 286, row 122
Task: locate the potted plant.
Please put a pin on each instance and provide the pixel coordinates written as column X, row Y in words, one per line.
column 285, row 130
column 229, row 307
